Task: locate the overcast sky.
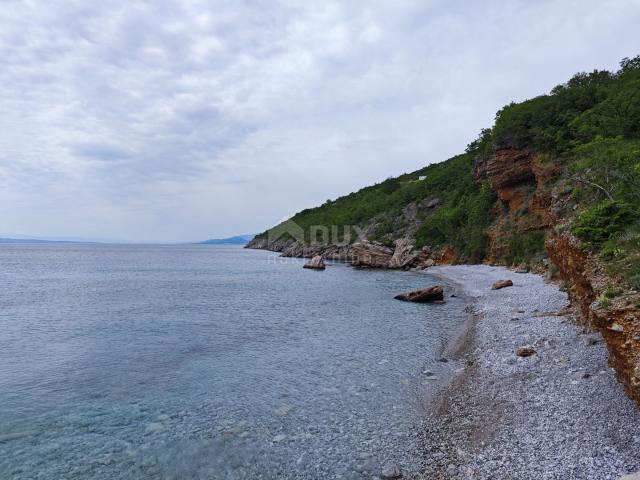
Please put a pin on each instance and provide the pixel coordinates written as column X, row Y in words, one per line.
column 170, row 120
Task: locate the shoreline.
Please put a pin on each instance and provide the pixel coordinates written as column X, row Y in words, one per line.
column 558, row 414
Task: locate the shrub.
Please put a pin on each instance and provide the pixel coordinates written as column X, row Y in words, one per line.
column 600, row 222
column 526, row 248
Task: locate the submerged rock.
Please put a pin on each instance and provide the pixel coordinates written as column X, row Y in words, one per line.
column 316, row 263
column 391, row 470
column 502, row 284
column 434, row 293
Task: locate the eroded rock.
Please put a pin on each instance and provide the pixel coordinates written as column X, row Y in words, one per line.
column 370, row 255
column 502, row 284
column 434, row 293
column 316, row 263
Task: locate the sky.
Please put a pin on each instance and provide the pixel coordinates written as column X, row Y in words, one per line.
column 181, row 120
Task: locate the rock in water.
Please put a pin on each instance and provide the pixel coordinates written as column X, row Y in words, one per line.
column 502, row 284
column 427, row 294
column 525, row 351
column 316, row 263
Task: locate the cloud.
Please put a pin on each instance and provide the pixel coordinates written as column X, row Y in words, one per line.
column 100, row 151
column 179, row 120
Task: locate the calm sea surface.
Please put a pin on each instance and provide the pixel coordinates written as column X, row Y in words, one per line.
column 208, row 362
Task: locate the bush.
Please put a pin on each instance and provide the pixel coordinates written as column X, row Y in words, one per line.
column 600, row 222
column 525, row 248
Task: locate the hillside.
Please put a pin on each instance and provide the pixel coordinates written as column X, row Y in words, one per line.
column 585, row 134
column 554, row 184
column 236, row 240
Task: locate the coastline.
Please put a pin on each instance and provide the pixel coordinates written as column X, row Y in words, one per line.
column 558, row 414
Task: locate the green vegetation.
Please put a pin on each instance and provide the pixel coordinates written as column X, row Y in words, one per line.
column 460, row 219
column 527, row 248
column 601, row 222
column 591, row 125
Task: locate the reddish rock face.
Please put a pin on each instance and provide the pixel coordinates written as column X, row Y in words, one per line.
column 504, row 168
column 519, row 179
column 619, row 323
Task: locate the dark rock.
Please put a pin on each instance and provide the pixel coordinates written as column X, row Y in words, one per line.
column 427, row 294
column 502, row 284
column 525, row 351
column 522, row 270
column 590, row 340
column 431, row 203
column 316, row 263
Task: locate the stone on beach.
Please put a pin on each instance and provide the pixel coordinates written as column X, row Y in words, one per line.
column 525, row 351
column 502, row 284
column 316, row 263
column 428, row 294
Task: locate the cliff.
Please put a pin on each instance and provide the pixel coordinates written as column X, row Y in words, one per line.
column 552, row 186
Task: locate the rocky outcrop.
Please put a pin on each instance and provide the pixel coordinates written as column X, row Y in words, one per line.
column 434, row 293
column 370, row 255
column 402, row 255
column 316, row 263
column 504, row 168
column 520, row 180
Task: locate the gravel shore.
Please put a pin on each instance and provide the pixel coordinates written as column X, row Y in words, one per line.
column 557, row 414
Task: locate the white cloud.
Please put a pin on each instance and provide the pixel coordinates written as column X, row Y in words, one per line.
column 180, row 120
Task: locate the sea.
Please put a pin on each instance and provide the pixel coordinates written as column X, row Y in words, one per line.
column 211, row 362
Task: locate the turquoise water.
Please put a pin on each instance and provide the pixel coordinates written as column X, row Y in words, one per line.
column 208, row 362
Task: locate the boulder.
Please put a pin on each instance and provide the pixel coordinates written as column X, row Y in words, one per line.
column 316, row 263
column 402, row 255
column 434, row 293
column 502, row 284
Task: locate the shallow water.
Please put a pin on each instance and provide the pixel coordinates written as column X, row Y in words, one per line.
column 208, row 362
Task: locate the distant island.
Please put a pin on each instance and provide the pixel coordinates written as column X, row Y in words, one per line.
column 237, row 240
